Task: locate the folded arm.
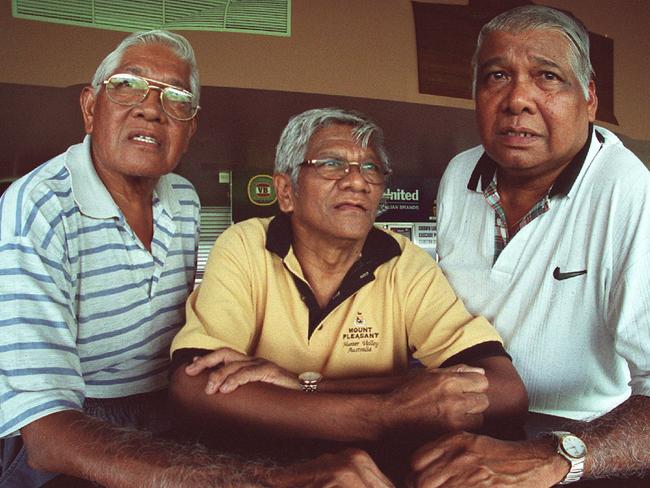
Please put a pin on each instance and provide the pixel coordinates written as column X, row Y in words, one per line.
column 437, row 400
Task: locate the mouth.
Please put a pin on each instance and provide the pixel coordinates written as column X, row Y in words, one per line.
column 518, row 137
column 351, row 206
column 145, row 139
column 512, row 133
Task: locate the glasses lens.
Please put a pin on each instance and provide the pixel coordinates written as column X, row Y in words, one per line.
column 126, row 89
column 372, row 172
column 332, row 169
column 178, row 103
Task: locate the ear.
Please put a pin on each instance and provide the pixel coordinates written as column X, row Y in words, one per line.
column 284, row 191
column 190, row 132
column 592, row 103
column 87, row 101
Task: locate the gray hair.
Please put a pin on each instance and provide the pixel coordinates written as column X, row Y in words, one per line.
column 177, row 43
column 292, row 147
column 538, row 17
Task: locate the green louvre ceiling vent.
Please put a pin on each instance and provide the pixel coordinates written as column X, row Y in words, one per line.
column 270, row 17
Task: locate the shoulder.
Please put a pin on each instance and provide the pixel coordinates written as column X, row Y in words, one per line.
column 182, row 188
column 618, row 172
column 465, row 161
column 411, row 258
column 460, row 168
column 250, row 232
column 46, row 191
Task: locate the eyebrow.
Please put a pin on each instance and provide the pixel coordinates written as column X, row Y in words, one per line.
column 500, row 60
column 136, row 70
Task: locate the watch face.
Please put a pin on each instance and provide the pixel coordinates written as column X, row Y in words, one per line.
column 309, row 377
column 573, row 446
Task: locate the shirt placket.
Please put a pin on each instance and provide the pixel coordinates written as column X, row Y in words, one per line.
column 163, row 230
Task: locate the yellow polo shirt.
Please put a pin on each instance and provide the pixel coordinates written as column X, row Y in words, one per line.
column 254, row 298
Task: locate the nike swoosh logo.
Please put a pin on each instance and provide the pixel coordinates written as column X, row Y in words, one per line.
column 565, row 276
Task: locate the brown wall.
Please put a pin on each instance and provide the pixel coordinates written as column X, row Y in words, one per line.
column 360, row 50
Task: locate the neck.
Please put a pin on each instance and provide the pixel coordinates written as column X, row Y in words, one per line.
column 330, row 258
column 325, row 264
column 133, row 195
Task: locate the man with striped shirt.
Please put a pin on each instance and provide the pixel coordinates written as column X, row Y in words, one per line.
column 97, row 256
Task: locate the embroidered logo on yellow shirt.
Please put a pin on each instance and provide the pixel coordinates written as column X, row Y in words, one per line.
column 360, row 337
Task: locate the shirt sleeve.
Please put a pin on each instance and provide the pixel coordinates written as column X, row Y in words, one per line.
column 439, row 326
column 221, row 312
column 40, row 371
column 628, row 312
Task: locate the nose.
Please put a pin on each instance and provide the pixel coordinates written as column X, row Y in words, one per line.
column 354, row 179
column 151, row 107
column 520, row 97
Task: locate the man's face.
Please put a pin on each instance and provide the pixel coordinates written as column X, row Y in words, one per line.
column 331, row 210
column 531, row 112
column 142, row 140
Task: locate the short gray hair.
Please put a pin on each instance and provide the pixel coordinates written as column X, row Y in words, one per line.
column 177, row 43
column 538, row 17
column 292, row 147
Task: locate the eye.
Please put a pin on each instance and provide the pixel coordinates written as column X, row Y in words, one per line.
column 331, row 163
column 177, row 96
column 127, row 82
column 550, row 76
column 496, row 76
column 370, row 167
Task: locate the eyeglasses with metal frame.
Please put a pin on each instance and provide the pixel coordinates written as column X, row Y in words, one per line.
column 336, row 169
column 130, row 90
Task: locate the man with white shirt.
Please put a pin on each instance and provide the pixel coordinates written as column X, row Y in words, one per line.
column 543, row 230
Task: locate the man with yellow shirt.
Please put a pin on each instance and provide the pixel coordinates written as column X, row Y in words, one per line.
column 319, row 300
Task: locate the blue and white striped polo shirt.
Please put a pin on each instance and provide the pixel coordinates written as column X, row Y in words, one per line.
column 85, row 309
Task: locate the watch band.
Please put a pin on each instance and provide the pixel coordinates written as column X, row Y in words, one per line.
column 573, row 449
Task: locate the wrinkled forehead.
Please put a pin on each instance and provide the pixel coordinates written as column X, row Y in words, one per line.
column 156, row 61
column 339, row 139
column 542, row 46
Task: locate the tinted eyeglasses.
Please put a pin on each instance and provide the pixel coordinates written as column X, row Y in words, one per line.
column 128, row 89
column 336, row 169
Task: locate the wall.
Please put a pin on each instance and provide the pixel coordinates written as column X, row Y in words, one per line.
column 362, row 50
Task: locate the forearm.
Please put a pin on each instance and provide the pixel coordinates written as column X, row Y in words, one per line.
column 506, row 393
column 371, row 384
column 285, row 412
column 618, row 443
column 77, row 445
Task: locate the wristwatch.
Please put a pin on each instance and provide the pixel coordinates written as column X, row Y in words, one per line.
column 309, row 381
column 574, row 450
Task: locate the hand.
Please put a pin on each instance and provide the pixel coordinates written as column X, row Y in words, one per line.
column 238, row 369
column 463, row 459
column 441, row 400
column 352, row 468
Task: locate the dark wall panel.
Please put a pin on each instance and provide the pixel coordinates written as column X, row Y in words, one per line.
column 238, row 129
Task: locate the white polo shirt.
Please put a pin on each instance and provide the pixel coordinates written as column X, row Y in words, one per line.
column 581, row 343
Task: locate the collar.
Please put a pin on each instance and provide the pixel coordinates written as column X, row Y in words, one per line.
column 90, row 194
column 378, row 248
column 486, row 168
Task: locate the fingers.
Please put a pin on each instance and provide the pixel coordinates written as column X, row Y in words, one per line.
column 432, row 463
column 475, row 403
column 426, row 455
column 353, row 468
column 234, row 375
column 210, row 360
column 463, row 368
column 236, row 369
